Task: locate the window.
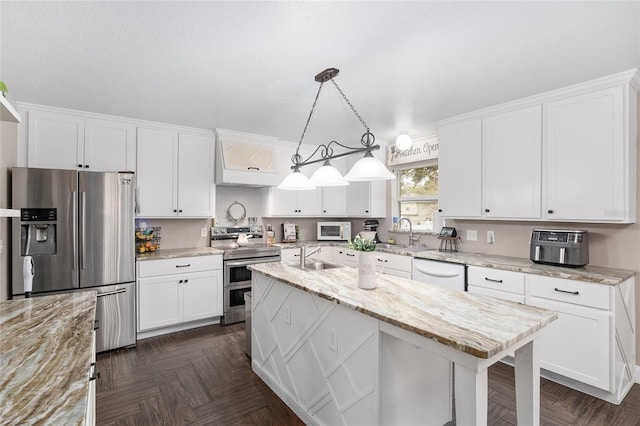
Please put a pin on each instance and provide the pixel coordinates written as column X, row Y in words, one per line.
column 418, row 196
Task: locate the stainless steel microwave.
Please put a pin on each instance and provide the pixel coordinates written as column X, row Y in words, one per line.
column 334, row 231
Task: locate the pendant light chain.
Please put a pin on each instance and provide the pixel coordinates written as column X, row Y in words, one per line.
column 296, row 159
column 350, row 106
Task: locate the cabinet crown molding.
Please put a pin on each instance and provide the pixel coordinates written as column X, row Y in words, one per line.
column 630, row 77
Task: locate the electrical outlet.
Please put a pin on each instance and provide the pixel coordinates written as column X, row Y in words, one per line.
column 472, row 235
column 286, row 314
column 333, row 338
column 203, row 232
column 491, row 237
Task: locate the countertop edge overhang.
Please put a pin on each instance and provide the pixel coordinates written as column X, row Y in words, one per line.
column 478, row 325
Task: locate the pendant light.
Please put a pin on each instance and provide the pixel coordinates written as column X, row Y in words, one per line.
column 365, row 169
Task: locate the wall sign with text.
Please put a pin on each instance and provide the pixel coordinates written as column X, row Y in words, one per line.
column 422, row 149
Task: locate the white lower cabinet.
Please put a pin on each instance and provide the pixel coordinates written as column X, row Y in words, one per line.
column 345, row 256
column 505, row 285
column 591, row 346
column 288, row 255
column 90, row 416
column 178, row 291
column 394, row 264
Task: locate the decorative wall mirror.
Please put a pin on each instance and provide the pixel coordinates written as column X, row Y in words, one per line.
column 236, row 212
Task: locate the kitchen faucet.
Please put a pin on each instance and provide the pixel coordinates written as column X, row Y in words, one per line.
column 304, row 254
column 411, row 239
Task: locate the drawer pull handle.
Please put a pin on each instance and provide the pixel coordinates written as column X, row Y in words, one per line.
column 183, row 266
column 492, row 280
column 566, row 291
column 350, row 254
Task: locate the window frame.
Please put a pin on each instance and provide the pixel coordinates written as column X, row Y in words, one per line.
column 395, row 193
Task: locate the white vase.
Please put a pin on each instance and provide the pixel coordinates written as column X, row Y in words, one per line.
column 367, row 270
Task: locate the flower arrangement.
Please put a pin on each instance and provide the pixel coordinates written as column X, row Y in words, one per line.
column 361, row 245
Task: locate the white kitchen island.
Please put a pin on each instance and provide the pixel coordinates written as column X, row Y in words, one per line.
column 337, row 354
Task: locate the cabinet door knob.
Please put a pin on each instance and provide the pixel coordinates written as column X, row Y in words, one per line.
column 487, row 210
column 180, row 211
column 86, row 166
column 439, row 210
column 79, row 165
column 175, row 210
column 366, row 211
column 180, row 282
column 186, row 281
column 550, row 211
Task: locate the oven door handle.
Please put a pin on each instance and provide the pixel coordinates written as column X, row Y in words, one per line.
column 235, row 263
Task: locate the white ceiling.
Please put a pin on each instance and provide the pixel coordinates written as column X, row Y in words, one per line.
column 249, row 66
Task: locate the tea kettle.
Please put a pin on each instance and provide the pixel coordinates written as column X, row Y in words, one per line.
column 243, row 239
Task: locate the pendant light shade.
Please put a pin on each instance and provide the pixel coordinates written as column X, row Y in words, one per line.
column 327, row 175
column 403, row 141
column 369, row 168
column 296, row 181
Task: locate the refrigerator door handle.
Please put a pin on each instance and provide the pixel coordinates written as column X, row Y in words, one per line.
column 83, row 228
column 74, row 228
column 112, row 293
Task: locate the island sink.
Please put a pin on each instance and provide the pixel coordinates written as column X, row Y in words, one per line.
column 317, row 266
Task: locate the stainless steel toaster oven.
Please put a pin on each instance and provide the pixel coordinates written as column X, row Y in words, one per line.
column 561, row 247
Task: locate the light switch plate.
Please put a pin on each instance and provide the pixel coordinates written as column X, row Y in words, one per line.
column 491, row 237
column 203, row 232
column 472, row 235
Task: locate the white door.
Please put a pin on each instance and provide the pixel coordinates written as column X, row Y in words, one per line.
column 310, row 202
column 460, row 169
column 358, row 199
column 55, row 141
column 583, row 167
column 512, row 164
column 195, row 176
column 159, row 302
column 283, row 202
column 110, row 146
column 157, row 173
column 334, row 201
column 202, row 295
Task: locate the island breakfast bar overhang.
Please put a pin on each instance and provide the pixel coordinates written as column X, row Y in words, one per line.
column 412, row 333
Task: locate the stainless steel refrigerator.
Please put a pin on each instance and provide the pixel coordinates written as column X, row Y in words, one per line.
column 78, row 227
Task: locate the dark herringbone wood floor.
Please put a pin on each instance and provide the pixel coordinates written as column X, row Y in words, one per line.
column 202, row 377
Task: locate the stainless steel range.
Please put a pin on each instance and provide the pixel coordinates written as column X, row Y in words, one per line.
column 236, row 257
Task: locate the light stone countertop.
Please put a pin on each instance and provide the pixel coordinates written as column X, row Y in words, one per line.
column 589, row 273
column 175, row 253
column 45, row 355
column 478, row 325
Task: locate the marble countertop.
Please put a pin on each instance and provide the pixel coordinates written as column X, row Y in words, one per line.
column 589, row 273
column 45, row 356
column 174, row 253
column 593, row 274
column 478, row 325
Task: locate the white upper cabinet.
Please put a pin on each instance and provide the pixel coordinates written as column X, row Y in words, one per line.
column 588, row 158
column 62, row 139
column 566, row 155
column 367, row 199
column 157, row 180
column 109, row 146
column 55, row 140
column 295, row 203
column 460, row 169
column 195, row 175
column 511, row 168
column 175, row 174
